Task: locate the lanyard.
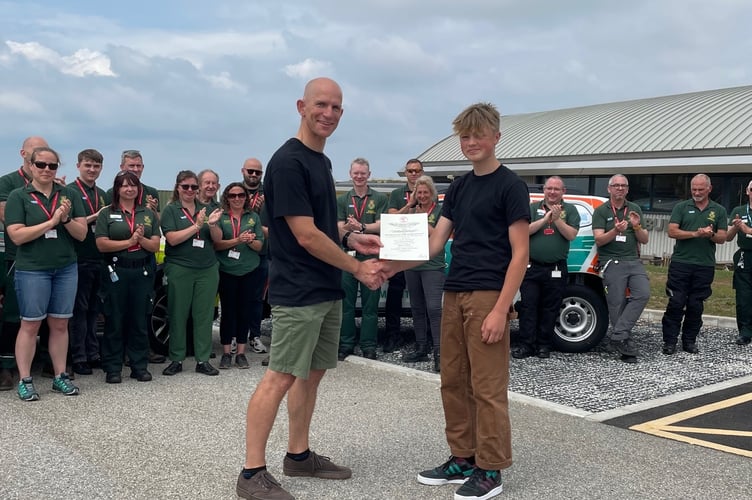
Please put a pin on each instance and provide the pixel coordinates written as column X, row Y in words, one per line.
column 236, row 230
column 198, row 234
column 255, row 199
column 26, row 181
column 54, row 205
column 623, row 216
column 359, row 213
column 433, row 205
column 132, row 222
column 95, row 206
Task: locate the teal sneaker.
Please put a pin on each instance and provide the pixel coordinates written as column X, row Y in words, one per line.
column 63, row 384
column 482, row 485
column 26, row 390
column 456, row 470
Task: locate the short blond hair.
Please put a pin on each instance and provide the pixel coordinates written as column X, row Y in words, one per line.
column 427, row 181
column 476, row 118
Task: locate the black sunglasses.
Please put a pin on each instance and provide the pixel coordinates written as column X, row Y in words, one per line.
column 189, row 187
column 232, row 196
column 42, row 165
column 253, row 171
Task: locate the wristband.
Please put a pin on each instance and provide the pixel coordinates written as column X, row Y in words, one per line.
column 67, row 220
column 362, row 228
column 344, row 240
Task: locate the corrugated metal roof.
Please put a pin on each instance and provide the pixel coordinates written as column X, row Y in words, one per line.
column 706, row 121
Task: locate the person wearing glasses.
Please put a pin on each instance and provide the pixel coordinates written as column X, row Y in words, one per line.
column 44, row 219
column 401, row 201
column 208, row 185
column 127, row 235
column 18, row 178
column 192, row 273
column 237, row 253
column 252, row 171
column 618, row 234
column 84, row 343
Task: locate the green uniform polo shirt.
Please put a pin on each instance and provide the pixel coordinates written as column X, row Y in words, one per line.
column 248, row 259
column 366, row 209
column 187, row 254
column 745, row 213
column 141, row 201
column 115, row 224
column 92, row 199
column 548, row 245
column 698, row 251
column 439, row 261
column 398, row 198
column 252, row 194
column 9, row 182
column 603, row 218
column 43, row 253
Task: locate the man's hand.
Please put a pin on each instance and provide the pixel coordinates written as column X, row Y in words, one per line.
column 369, row 273
column 493, row 327
column 365, row 244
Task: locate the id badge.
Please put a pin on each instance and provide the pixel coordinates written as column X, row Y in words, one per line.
column 233, row 254
column 556, row 273
column 51, row 234
column 548, row 231
column 198, row 243
column 134, row 248
column 621, row 238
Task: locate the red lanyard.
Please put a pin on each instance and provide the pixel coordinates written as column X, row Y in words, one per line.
column 54, row 205
column 95, row 206
column 26, row 181
column 132, row 222
column 359, row 213
column 255, row 199
column 236, row 230
column 624, row 215
column 198, row 234
column 433, row 205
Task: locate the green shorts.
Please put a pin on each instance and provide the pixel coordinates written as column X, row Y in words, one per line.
column 305, row 338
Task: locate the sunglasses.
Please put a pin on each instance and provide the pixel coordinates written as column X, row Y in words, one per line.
column 252, row 171
column 240, row 196
column 413, row 171
column 42, row 165
column 189, row 187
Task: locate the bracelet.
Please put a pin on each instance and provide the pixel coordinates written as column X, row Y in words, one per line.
column 67, row 220
column 344, row 240
column 638, row 227
column 362, row 228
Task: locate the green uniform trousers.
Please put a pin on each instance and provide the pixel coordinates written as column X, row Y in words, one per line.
column 369, row 325
column 191, row 291
column 126, row 305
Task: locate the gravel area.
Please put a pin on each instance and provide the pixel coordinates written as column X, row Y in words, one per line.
column 598, row 381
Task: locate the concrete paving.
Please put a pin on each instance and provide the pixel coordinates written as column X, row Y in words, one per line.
column 182, row 437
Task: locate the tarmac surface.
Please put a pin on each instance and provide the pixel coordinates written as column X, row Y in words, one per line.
column 182, row 437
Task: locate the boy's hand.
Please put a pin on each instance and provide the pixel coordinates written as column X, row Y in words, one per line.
column 493, row 327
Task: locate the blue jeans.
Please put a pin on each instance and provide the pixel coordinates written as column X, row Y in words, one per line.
column 51, row 292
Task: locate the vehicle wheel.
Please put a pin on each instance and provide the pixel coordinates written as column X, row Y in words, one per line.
column 159, row 329
column 582, row 321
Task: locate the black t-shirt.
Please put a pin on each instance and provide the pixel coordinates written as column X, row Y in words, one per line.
column 481, row 209
column 299, row 182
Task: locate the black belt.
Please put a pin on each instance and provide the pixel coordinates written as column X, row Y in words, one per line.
column 129, row 263
column 548, row 264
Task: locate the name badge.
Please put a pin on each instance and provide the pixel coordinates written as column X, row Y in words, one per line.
column 198, row 243
column 233, row 254
column 621, row 238
column 548, row 231
column 556, row 273
column 51, row 234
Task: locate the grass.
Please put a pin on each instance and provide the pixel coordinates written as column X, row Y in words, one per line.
column 721, row 303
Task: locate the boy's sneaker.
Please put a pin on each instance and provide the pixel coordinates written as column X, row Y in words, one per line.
column 257, row 346
column 26, row 390
column 456, row 470
column 63, row 384
column 226, row 362
column 482, row 485
column 315, row 466
column 261, row 485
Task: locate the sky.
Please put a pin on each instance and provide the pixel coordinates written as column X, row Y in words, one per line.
column 197, row 84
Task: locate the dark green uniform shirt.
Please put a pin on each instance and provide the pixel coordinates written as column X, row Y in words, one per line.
column 745, row 213
column 398, row 198
column 8, row 183
column 46, row 252
column 547, row 245
column 438, row 262
column 241, row 259
column 115, row 224
column 189, row 253
column 92, row 199
column 698, row 251
column 366, row 209
column 603, row 218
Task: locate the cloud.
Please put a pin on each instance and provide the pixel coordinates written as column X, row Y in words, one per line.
column 19, row 103
column 81, row 63
column 309, row 68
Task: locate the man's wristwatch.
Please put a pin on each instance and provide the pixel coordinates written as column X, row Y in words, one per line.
column 67, row 220
column 362, row 228
column 344, row 240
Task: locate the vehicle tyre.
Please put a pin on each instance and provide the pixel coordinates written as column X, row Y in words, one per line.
column 582, row 321
column 158, row 325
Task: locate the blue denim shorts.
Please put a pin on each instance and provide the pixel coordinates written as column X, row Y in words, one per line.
column 43, row 293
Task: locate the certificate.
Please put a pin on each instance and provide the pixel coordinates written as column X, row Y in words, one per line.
column 404, row 236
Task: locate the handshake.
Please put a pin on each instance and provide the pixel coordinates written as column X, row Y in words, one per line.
column 373, row 272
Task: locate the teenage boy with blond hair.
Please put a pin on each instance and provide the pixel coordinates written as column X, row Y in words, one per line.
column 488, row 211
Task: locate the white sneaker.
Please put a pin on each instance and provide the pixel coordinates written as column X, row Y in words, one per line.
column 257, row 346
column 234, row 346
